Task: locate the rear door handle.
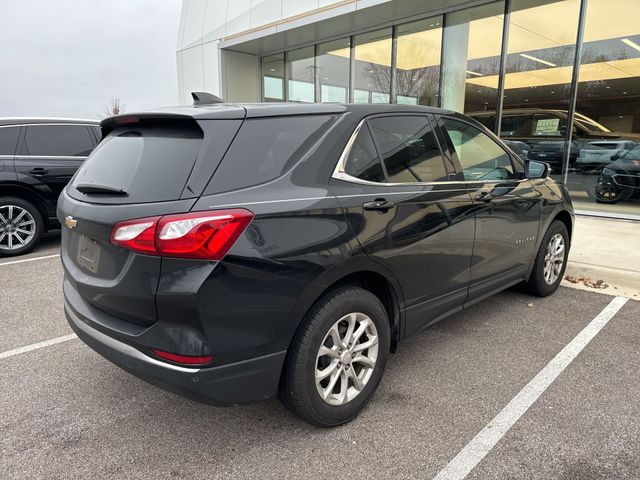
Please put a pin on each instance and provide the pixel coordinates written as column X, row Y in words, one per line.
column 379, row 204
column 38, row 171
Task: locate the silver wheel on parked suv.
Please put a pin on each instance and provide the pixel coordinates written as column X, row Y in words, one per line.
column 554, row 259
column 17, row 227
column 346, row 358
column 21, row 226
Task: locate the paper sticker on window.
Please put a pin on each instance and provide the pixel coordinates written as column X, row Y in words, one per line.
column 547, row 126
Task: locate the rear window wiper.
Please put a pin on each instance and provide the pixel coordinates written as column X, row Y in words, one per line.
column 97, row 188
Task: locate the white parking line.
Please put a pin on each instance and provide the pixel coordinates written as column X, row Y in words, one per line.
column 30, row 259
column 36, row 346
column 490, row 435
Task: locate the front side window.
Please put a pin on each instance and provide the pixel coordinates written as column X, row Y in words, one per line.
column 481, row 158
column 58, row 140
column 408, row 148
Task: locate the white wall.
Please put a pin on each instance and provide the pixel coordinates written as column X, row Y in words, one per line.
column 203, row 23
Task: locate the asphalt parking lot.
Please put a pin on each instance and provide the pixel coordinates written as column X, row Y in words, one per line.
column 65, row 412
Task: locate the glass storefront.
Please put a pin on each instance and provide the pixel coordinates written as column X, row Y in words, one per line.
column 301, row 72
column 512, row 66
column 607, row 122
column 332, row 63
column 372, row 67
column 471, row 66
column 417, row 76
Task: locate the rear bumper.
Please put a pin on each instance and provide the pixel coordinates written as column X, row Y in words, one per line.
column 240, row 382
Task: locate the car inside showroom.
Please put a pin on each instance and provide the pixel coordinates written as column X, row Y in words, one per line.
column 558, row 80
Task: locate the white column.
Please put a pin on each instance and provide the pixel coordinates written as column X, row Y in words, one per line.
column 454, row 69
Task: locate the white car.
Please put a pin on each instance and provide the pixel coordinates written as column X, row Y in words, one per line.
column 600, row 153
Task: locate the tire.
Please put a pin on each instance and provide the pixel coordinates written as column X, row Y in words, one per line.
column 299, row 391
column 539, row 284
column 13, row 239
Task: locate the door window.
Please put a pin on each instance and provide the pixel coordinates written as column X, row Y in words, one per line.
column 408, row 148
column 363, row 161
column 58, row 140
column 8, row 140
column 481, row 158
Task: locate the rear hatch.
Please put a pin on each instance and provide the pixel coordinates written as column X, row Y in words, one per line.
column 146, row 166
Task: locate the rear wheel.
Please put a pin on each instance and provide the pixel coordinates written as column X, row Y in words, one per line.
column 550, row 262
column 337, row 358
column 21, row 226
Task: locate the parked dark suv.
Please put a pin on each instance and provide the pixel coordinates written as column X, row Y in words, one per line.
column 232, row 252
column 38, row 156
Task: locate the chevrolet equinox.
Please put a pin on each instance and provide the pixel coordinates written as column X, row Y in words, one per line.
column 232, row 253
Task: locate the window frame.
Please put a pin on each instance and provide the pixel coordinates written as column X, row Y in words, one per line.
column 340, row 173
column 516, row 162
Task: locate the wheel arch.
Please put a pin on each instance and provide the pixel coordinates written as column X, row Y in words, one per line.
column 366, row 274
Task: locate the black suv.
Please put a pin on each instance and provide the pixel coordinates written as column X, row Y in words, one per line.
column 38, row 156
column 232, row 252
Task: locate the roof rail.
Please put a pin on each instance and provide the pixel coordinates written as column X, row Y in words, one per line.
column 205, row 98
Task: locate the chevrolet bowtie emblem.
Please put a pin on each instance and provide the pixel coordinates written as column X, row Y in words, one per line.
column 70, row 222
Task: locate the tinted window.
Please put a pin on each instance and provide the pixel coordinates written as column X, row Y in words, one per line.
column 8, row 140
column 150, row 163
column 58, row 140
column 363, row 161
column 479, row 155
column 265, row 148
column 408, row 148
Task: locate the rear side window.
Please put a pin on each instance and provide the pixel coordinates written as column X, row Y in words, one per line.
column 363, row 161
column 58, row 141
column 151, row 163
column 408, row 148
column 8, row 140
column 265, row 148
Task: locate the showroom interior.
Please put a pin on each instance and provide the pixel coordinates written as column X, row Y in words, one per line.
column 558, row 80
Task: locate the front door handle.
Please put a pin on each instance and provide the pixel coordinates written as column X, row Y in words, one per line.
column 38, row 171
column 379, row 204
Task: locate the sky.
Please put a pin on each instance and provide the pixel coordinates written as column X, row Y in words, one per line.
column 69, row 58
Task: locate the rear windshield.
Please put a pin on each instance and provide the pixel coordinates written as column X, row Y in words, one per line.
column 265, row 148
column 149, row 163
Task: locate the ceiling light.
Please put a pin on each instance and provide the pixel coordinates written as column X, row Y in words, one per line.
column 624, row 93
column 631, row 43
column 370, row 71
column 535, row 59
column 474, row 73
column 272, row 69
column 608, row 86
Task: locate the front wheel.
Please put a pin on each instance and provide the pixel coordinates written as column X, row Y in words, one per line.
column 550, row 262
column 337, row 358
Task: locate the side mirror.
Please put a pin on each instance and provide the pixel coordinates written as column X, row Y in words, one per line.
column 537, row 169
column 617, row 156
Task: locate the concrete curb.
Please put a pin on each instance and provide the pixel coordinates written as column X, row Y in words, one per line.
column 624, row 283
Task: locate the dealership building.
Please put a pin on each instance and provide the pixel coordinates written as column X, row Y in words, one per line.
column 559, row 80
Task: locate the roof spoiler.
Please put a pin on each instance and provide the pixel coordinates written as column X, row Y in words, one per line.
column 205, row 98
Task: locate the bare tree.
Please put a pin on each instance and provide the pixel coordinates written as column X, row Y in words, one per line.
column 114, row 107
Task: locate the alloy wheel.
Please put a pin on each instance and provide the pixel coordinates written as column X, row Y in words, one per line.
column 346, row 358
column 17, row 227
column 554, row 259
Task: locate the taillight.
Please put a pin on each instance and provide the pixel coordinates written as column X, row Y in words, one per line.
column 202, row 235
column 183, row 359
column 137, row 235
